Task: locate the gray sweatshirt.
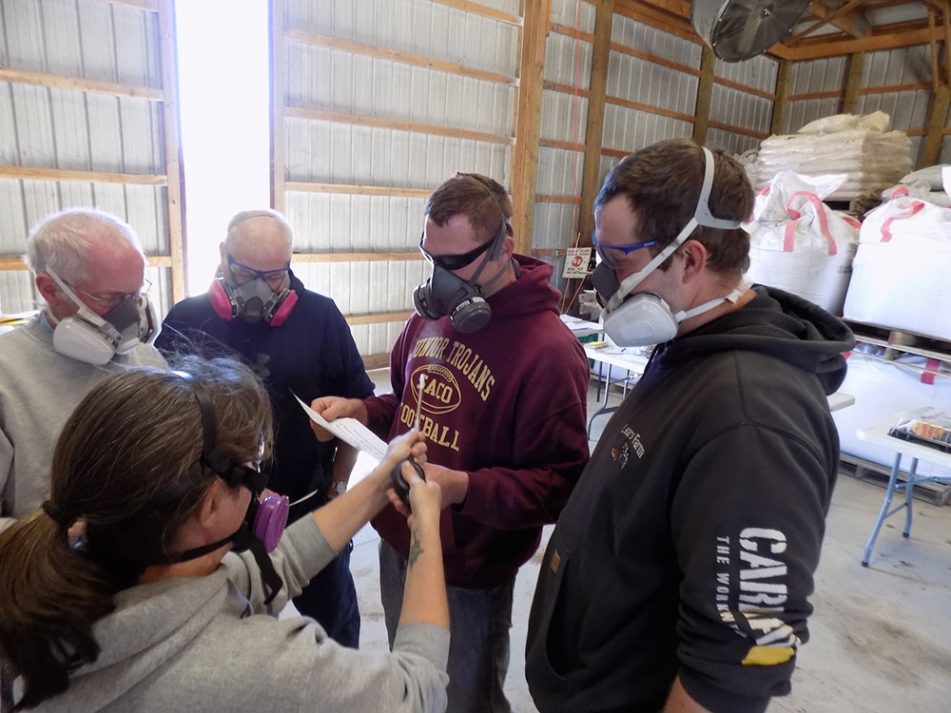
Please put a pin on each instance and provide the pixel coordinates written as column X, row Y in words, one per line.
column 39, row 389
column 209, row 644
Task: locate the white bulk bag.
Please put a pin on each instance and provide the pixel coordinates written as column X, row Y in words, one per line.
column 901, row 270
column 798, row 244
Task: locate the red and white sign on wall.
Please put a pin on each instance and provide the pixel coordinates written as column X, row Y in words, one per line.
column 576, row 262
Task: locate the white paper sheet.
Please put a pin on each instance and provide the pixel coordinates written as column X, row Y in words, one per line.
column 350, row 431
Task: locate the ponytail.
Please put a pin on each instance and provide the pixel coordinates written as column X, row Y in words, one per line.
column 49, row 601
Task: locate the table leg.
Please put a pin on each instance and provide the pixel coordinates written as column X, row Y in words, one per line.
column 604, row 402
column 909, row 493
column 883, row 513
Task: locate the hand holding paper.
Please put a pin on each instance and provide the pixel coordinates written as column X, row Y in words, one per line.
column 349, row 430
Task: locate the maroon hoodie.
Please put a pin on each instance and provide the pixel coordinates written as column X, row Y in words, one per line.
column 506, row 405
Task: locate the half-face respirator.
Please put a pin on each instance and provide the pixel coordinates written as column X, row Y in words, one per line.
column 445, row 294
column 645, row 318
column 253, row 301
column 265, row 519
column 95, row 339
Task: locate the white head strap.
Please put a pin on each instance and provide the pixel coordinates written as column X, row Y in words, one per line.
column 733, row 297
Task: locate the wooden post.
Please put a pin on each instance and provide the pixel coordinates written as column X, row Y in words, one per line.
column 946, row 17
column 937, row 113
column 853, row 82
column 939, row 102
column 778, row 118
column 708, row 64
column 594, row 129
column 537, row 17
column 278, row 101
column 935, row 75
column 173, row 155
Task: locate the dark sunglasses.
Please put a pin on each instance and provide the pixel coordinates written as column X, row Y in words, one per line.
column 457, row 262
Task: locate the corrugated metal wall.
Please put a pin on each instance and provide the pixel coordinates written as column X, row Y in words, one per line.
column 742, row 109
column 341, row 152
column 634, row 79
column 50, row 127
column 816, row 76
column 563, row 119
column 908, row 108
column 357, row 156
column 897, row 82
column 639, row 80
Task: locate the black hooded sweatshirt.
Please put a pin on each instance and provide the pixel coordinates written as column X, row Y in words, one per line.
column 689, row 544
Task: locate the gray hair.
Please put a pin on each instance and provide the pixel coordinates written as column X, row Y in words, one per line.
column 63, row 241
column 244, row 215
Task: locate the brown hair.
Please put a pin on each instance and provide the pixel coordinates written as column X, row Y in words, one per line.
column 481, row 199
column 662, row 184
column 123, row 469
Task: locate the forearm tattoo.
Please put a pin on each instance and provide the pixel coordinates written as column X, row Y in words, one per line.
column 415, row 550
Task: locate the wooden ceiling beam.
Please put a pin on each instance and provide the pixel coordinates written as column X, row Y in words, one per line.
column 854, row 23
column 660, row 18
column 681, row 8
column 937, row 5
column 673, row 16
column 819, row 50
column 830, row 17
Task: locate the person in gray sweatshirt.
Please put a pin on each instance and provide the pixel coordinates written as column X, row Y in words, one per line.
column 89, row 268
column 128, row 590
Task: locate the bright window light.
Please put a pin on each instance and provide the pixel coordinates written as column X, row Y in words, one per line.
column 223, row 82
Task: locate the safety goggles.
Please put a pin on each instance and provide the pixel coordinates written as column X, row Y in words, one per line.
column 108, row 300
column 609, row 253
column 243, row 274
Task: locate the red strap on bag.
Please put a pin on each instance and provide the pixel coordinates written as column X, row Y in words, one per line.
column 821, row 213
column 931, row 371
column 916, row 207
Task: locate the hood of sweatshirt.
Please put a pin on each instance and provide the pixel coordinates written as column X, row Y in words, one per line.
column 529, row 294
column 776, row 323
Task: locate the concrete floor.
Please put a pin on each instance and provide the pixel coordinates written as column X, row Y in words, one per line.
column 879, row 635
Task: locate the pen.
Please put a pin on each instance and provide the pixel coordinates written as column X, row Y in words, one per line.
column 419, row 400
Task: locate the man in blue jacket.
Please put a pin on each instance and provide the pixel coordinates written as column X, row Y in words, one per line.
column 298, row 343
column 678, row 575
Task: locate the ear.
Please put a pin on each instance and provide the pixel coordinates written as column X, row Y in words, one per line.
column 695, row 260
column 47, row 287
column 508, row 247
column 210, row 508
column 60, row 306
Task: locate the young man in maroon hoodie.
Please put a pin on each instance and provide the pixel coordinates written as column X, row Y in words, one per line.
column 500, row 386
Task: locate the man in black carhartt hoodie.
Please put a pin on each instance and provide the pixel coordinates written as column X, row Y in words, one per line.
column 678, row 574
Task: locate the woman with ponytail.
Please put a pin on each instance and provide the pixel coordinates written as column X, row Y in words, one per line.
column 130, row 589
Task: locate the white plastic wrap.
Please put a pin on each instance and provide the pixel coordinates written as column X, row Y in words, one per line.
column 931, row 175
column 858, row 146
column 900, row 272
column 882, row 390
column 798, row 244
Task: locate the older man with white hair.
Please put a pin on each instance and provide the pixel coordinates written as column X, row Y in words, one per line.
column 90, row 270
column 299, row 343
